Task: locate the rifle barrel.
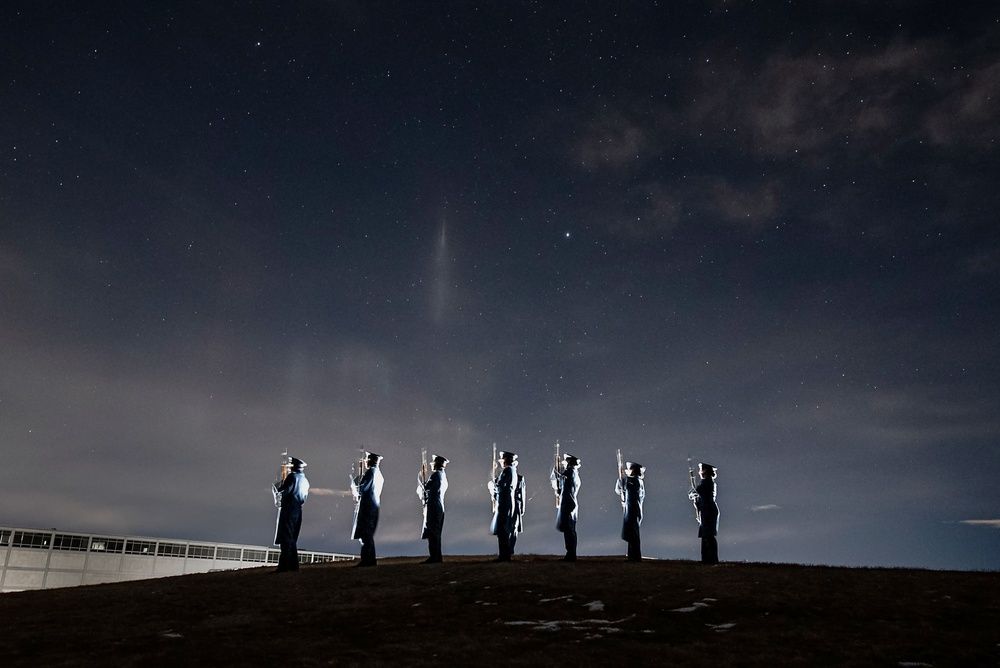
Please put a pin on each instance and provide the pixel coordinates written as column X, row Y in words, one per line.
column 556, row 469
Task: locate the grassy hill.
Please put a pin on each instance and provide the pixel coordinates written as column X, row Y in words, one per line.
column 536, row 611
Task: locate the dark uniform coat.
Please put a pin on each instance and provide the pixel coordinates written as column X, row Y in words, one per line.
column 433, row 494
column 506, row 518
column 519, row 504
column 704, row 501
column 633, row 491
column 367, row 490
column 292, row 492
column 567, row 484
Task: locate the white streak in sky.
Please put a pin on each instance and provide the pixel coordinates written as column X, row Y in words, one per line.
column 768, row 506
column 439, row 294
column 322, row 491
column 986, row 523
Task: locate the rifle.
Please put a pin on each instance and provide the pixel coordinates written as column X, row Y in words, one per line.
column 357, row 470
column 285, row 466
column 556, row 469
column 494, row 475
column 621, row 475
column 282, row 472
column 424, row 466
column 697, row 513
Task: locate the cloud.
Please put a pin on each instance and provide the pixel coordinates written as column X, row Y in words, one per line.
column 860, row 100
column 749, row 205
column 612, row 140
column 654, row 207
column 987, row 523
column 966, row 113
column 821, row 109
column 766, row 506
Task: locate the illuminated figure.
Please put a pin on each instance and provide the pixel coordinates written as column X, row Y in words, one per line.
column 519, row 503
column 508, row 496
column 632, row 492
column 703, row 497
column 567, row 486
column 431, row 492
column 289, row 495
column 367, row 491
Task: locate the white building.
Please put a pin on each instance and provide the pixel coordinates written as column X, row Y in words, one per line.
column 45, row 559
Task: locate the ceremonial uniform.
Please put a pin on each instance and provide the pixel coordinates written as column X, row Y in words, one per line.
column 432, row 494
column 567, row 486
column 508, row 497
column 289, row 496
column 703, row 497
column 367, row 491
column 632, row 492
column 519, row 503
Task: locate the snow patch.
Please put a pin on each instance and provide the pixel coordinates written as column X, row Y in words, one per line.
column 589, row 626
column 697, row 605
column 721, row 627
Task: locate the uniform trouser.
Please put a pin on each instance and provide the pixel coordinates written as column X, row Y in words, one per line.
column 709, row 550
column 569, row 539
column 434, row 546
column 634, row 549
column 368, row 551
column 505, row 545
column 288, row 560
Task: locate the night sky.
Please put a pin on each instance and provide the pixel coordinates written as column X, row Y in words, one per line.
column 762, row 235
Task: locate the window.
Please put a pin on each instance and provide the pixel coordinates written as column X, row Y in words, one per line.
column 66, row 541
column 5, row 537
column 171, row 549
column 327, row 558
column 229, row 553
column 30, row 539
column 201, row 551
column 140, row 547
column 107, row 544
column 255, row 555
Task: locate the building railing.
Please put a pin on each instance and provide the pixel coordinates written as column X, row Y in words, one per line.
column 188, row 556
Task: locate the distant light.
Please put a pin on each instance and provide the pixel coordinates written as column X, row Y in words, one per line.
column 567, row 235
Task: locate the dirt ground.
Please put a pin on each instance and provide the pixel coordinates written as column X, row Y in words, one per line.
column 535, row 611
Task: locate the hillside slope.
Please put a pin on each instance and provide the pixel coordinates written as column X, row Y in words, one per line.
column 535, row 611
